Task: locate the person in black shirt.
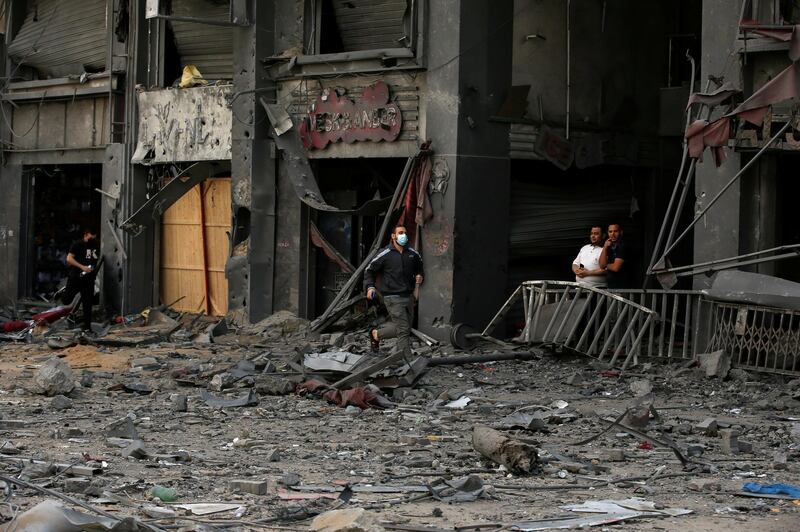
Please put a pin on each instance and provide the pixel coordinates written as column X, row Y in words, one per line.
column 82, row 264
column 401, row 269
column 612, row 258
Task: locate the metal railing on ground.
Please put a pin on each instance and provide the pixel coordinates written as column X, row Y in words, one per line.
column 603, row 323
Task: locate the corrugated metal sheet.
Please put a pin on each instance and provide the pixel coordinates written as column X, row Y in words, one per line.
column 371, row 24
column 61, row 37
column 209, row 48
column 548, row 220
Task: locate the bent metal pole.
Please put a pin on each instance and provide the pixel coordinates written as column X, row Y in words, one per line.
column 727, row 186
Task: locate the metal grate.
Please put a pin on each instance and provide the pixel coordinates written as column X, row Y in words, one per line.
column 758, row 338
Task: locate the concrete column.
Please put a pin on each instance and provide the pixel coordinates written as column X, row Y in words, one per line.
column 442, row 115
column 138, row 270
column 291, row 233
column 251, row 280
column 113, row 259
column 466, row 244
column 10, row 226
column 717, row 235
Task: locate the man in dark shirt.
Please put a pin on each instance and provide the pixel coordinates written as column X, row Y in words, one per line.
column 612, row 258
column 401, row 269
column 82, row 265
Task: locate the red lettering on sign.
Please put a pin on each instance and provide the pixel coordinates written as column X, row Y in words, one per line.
column 335, row 118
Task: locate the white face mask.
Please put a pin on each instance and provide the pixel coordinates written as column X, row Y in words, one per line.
column 402, row 240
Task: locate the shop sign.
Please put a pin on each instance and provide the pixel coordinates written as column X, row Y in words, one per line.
column 333, row 118
column 184, row 125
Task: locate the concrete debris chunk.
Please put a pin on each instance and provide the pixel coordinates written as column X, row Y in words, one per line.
column 179, row 402
column 221, row 381
column 274, row 455
column 349, row 520
column 708, row 426
column 256, row 487
column 729, row 441
column 145, row 363
column 76, row 484
column 289, row 480
column 61, row 402
column 612, row 455
column 54, row 378
column 281, row 322
column 641, row 387
column 745, row 447
column 716, row 364
column 575, row 379
column 516, row 456
column 704, row 485
column 135, row 450
column 122, row 428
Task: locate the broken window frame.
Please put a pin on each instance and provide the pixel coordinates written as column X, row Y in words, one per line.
column 379, row 59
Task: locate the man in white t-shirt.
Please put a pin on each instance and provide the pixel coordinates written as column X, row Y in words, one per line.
column 586, row 265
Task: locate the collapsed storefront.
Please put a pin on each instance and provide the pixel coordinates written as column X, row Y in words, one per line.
column 358, row 142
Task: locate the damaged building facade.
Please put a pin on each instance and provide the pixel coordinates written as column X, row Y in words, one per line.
column 258, row 180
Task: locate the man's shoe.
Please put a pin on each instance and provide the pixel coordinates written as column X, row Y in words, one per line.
column 373, row 343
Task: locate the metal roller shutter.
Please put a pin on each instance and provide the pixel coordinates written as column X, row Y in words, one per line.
column 209, row 48
column 548, row 220
column 62, row 37
column 371, row 24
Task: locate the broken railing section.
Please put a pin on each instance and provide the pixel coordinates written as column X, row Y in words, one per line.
column 584, row 319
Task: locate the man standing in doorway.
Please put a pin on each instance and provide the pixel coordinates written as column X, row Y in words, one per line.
column 82, row 266
column 613, row 256
column 586, row 265
column 400, row 267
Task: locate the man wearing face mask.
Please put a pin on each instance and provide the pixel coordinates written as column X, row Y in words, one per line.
column 400, row 267
column 82, row 265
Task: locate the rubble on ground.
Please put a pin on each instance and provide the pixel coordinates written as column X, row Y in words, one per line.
column 142, row 427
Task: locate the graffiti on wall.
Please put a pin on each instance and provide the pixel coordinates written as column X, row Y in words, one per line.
column 336, row 118
column 184, row 125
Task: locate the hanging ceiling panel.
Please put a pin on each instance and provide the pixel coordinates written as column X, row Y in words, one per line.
column 62, row 37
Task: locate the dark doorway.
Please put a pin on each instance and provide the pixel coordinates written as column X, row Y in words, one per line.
column 552, row 211
column 62, row 201
column 347, row 184
column 786, row 227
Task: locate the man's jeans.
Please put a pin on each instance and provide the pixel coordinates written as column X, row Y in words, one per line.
column 399, row 324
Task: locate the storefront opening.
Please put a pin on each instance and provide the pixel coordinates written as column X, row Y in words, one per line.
column 63, row 201
column 347, row 184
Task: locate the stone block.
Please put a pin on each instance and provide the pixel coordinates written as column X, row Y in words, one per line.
column 708, row 426
column 716, row 364
column 729, row 441
column 256, row 487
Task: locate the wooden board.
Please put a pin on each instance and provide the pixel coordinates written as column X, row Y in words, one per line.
column 193, row 256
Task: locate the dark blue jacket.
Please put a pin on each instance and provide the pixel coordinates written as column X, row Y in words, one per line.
column 398, row 271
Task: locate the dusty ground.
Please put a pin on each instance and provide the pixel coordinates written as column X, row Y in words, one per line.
column 414, row 444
